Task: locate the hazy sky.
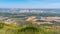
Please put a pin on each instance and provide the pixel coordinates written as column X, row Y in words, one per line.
column 29, row 3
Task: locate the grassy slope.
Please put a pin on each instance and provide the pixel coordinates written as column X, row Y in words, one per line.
column 13, row 29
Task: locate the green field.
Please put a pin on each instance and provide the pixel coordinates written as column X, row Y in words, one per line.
column 13, row 29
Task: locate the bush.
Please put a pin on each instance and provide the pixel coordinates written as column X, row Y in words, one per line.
column 29, row 30
column 1, row 25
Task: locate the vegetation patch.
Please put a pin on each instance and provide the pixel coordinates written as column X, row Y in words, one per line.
column 29, row 30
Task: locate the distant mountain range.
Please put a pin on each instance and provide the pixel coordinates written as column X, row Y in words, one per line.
column 34, row 12
column 30, row 11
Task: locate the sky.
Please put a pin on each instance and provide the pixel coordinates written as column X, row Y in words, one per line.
column 29, row 3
